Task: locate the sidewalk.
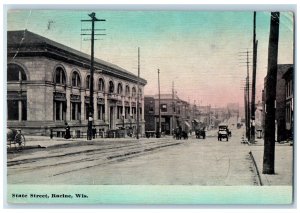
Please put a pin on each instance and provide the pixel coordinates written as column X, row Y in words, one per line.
column 45, row 141
column 283, row 163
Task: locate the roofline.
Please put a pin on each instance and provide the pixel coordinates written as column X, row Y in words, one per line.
column 52, row 49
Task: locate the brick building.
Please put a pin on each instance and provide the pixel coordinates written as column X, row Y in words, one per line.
column 174, row 112
column 48, row 85
column 289, row 101
column 281, row 102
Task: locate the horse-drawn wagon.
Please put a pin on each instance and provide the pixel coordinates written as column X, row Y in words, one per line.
column 15, row 138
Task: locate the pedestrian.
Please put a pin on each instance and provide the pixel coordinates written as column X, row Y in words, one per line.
column 94, row 131
column 74, row 134
column 68, row 133
column 51, row 133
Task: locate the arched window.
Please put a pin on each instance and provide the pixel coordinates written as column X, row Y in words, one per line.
column 60, row 77
column 140, row 92
column 101, row 84
column 133, row 92
column 127, row 90
column 88, row 81
column 76, row 79
column 120, row 89
column 16, row 99
column 111, row 87
column 15, row 73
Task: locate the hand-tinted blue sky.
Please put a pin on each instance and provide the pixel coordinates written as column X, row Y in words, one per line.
column 199, row 51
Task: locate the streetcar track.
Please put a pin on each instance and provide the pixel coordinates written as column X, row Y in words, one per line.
column 82, row 160
column 118, row 158
column 109, row 147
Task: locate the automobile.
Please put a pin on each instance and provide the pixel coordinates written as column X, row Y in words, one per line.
column 223, row 132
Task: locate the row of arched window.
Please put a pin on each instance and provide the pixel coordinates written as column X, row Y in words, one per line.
column 16, row 73
column 76, row 82
column 60, row 78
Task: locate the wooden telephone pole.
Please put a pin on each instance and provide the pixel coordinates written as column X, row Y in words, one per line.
column 158, row 134
column 252, row 126
column 138, row 99
column 91, row 98
column 248, row 100
column 269, row 138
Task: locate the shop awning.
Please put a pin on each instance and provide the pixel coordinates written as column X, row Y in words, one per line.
column 196, row 120
column 187, row 124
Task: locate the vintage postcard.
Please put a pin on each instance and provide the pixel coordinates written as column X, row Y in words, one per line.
column 150, row 106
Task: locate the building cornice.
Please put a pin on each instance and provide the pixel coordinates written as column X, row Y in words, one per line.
column 81, row 59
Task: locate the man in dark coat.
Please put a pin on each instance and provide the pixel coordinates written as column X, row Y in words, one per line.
column 68, row 133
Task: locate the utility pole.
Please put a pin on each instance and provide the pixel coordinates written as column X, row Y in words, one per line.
column 248, row 100
column 252, row 129
column 247, row 97
column 173, row 107
column 269, row 137
column 138, row 99
column 159, row 115
column 245, row 102
column 91, row 101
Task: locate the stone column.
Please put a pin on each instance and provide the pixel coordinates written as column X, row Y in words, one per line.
column 136, row 108
column 68, row 111
column 143, row 107
column 115, row 108
column 54, row 111
column 130, row 107
column 82, row 105
column 123, row 107
column 101, row 112
column 95, row 107
column 76, row 111
column 106, row 108
column 60, row 110
column 20, row 110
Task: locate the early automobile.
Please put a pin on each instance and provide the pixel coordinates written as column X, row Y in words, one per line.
column 223, row 132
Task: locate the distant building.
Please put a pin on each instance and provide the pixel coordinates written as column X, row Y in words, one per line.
column 48, row 85
column 149, row 113
column 220, row 114
column 233, row 109
column 205, row 116
column 174, row 112
column 259, row 115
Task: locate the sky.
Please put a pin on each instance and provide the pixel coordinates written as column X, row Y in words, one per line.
column 202, row 52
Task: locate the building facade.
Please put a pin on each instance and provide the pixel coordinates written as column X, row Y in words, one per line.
column 282, row 95
column 174, row 112
column 289, row 102
column 48, row 85
column 149, row 113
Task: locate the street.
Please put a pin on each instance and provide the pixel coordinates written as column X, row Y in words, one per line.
column 148, row 161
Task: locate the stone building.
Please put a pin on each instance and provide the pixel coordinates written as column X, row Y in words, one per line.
column 48, row 85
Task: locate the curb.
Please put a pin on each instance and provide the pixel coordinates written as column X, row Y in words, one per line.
column 256, row 168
